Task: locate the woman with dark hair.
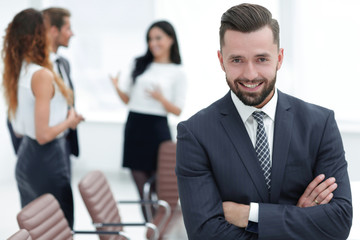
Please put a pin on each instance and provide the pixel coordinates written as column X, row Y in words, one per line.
column 38, row 103
column 157, row 87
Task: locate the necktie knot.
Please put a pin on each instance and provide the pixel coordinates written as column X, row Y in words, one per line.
column 258, row 116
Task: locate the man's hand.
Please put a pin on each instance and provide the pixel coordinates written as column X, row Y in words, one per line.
column 236, row 214
column 318, row 192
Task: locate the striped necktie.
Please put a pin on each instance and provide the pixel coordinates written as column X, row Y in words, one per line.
column 262, row 147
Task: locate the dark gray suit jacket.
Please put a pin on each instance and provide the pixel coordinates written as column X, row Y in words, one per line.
column 216, row 162
column 72, row 138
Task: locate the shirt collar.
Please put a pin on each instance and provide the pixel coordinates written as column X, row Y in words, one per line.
column 245, row 111
column 53, row 57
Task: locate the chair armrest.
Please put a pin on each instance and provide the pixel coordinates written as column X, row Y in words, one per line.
column 141, row 202
column 145, row 224
column 160, row 202
column 165, row 205
column 147, row 197
column 147, row 186
column 146, row 203
column 102, row 233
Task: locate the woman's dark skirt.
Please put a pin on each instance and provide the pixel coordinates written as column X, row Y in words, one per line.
column 143, row 135
column 43, row 169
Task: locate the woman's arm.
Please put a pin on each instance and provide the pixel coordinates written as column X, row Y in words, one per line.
column 123, row 96
column 169, row 107
column 43, row 90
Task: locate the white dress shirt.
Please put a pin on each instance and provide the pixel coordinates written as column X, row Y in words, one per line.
column 63, row 74
column 245, row 113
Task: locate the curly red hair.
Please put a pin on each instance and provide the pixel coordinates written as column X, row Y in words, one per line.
column 26, row 40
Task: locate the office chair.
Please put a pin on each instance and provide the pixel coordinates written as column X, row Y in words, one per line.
column 22, row 234
column 44, row 220
column 166, row 188
column 102, row 206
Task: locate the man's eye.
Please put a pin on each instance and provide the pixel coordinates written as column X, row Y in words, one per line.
column 236, row 60
column 262, row 60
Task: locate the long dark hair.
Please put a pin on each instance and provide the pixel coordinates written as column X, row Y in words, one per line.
column 25, row 40
column 142, row 62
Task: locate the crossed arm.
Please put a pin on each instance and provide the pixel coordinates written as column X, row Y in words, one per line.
column 317, row 192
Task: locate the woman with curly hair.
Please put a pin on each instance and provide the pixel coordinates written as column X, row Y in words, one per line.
column 38, row 107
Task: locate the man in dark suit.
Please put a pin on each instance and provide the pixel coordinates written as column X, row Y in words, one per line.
column 57, row 21
column 258, row 163
column 15, row 139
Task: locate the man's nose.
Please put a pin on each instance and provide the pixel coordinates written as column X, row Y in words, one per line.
column 250, row 71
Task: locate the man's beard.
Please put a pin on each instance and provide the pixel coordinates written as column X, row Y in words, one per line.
column 249, row 98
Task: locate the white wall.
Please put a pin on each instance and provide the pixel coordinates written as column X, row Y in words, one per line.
column 325, row 51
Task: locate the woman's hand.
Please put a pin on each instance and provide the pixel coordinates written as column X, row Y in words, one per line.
column 74, row 118
column 155, row 93
column 115, row 80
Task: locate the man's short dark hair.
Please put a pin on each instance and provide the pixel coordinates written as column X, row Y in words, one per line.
column 248, row 18
column 55, row 16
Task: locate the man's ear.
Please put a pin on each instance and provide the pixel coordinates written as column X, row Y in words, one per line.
column 280, row 58
column 54, row 31
column 221, row 60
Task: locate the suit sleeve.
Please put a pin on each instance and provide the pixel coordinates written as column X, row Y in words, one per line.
column 200, row 199
column 329, row 221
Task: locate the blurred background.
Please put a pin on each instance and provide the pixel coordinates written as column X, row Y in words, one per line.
column 320, row 38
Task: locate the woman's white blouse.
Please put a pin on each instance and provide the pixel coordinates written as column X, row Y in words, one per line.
column 24, row 121
column 171, row 80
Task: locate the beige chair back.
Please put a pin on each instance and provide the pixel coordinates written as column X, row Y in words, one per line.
column 44, row 219
column 166, row 181
column 22, row 234
column 100, row 202
column 166, row 184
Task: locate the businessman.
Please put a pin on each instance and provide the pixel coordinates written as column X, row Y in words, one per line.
column 258, row 163
column 58, row 25
column 57, row 22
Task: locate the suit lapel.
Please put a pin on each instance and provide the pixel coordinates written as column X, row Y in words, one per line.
column 235, row 129
column 66, row 67
column 282, row 136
